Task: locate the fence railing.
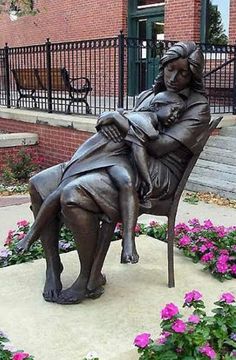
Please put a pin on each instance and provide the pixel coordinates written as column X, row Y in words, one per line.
column 93, row 76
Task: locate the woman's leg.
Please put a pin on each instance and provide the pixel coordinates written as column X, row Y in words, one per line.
column 129, row 207
column 85, row 227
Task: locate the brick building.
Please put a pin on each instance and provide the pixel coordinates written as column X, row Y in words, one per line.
column 65, row 21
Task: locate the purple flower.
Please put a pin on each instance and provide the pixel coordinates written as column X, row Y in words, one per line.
column 169, row 311
column 192, row 296
column 64, row 245
column 4, row 253
column 142, row 340
column 194, row 222
column 184, row 240
column 233, row 336
column 179, row 326
column 207, row 257
column 228, row 298
column 194, row 249
column 208, row 224
column 195, row 319
column 208, row 351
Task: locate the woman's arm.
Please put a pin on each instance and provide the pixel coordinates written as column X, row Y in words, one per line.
column 162, row 145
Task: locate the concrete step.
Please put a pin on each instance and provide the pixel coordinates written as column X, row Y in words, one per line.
column 222, row 156
column 222, row 142
column 228, row 131
column 215, row 170
column 200, row 183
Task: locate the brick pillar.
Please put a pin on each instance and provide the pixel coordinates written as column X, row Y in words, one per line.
column 182, row 20
column 232, row 22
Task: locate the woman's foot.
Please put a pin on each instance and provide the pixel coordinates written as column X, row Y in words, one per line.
column 53, row 285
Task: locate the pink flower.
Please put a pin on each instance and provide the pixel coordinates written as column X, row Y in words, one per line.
column 227, row 297
column 222, row 267
column 169, row 311
column 20, row 235
column 195, row 319
column 194, row 222
column 194, row 249
column 9, row 237
column 203, row 248
column 192, row 296
column 179, row 326
column 184, row 240
column 153, row 223
column 137, row 228
column 224, row 256
column 163, row 337
column 20, row 356
column 22, row 223
column 208, row 351
column 233, row 269
column 207, row 257
column 142, row 340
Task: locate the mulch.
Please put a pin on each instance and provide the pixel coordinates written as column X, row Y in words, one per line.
column 14, row 200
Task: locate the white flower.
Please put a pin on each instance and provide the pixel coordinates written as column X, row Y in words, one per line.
column 91, row 355
column 9, row 347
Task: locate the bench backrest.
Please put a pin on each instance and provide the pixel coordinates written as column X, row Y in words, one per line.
column 57, row 81
column 25, row 79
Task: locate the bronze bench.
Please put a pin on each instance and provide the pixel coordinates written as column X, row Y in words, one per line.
column 30, row 80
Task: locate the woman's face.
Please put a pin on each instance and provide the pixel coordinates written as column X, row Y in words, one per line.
column 177, row 75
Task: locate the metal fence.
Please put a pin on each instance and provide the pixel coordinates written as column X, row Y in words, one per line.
column 93, row 76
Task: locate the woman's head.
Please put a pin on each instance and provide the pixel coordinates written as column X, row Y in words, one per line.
column 181, row 67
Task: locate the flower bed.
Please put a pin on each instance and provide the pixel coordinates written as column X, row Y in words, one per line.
column 213, row 246
column 197, row 338
column 9, row 352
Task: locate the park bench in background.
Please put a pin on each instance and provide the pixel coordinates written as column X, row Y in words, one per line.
column 29, row 81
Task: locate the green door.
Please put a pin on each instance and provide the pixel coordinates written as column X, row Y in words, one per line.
column 144, row 58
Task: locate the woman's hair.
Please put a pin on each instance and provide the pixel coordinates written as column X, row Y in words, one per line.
column 186, row 50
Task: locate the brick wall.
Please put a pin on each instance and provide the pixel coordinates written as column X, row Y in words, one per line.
column 65, row 20
column 232, row 22
column 182, row 20
column 55, row 144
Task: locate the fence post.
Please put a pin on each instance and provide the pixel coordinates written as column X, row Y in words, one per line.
column 49, row 78
column 7, row 76
column 234, row 83
column 121, row 43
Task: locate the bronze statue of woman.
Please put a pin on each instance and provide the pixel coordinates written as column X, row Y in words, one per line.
column 89, row 203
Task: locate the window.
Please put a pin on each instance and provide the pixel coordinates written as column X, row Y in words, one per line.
column 143, row 4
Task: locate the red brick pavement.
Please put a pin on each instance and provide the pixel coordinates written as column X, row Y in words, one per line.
column 13, row 200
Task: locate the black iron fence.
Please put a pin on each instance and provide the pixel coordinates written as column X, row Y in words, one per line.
column 93, row 76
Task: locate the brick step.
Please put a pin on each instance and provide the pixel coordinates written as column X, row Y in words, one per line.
column 200, row 183
column 215, row 170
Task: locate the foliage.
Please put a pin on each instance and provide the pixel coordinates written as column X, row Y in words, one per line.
column 20, row 166
column 191, row 198
column 10, row 256
column 216, row 33
column 13, row 189
column 22, row 7
column 197, row 338
column 9, row 352
column 213, row 246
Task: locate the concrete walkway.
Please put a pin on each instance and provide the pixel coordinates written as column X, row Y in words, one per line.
column 133, row 298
